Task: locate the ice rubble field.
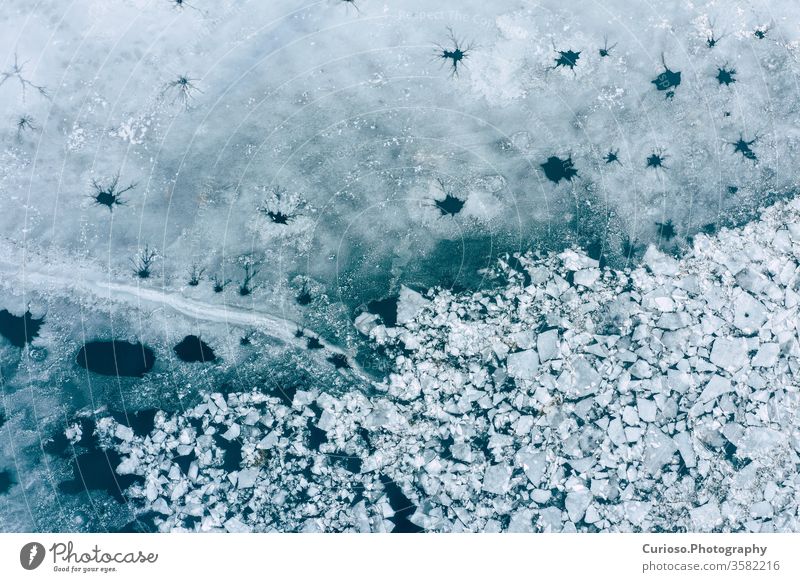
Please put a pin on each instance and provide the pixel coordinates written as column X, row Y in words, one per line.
column 572, row 399
column 158, row 157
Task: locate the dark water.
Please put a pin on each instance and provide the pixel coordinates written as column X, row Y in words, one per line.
column 141, row 421
column 450, row 206
column 557, row 169
column 184, row 461
column 193, row 349
column 349, row 462
column 233, row 453
column 19, row 329
column 402, row 506
column 96, row 470
column 6, row 481
column 386, row 309
column 59, row 445
column 116, row 358
column 316, row 436
column 93, row 468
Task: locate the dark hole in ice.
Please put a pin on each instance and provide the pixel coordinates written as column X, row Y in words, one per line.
column 709, row 228
column 558, row 498
column 729, row 450
column 96, row 470
column 364, row 434
column 743, row 147
column 184, row 461
column 278, row 217
column 304, row 297
column 668, row 80
column 348, row 462
column 666, row 230
column 481, row 442
column 107, row 199
column 456, row 54
column 726, row 76
column 190, row 521
column 142, row 421
column 683, row 470
column 567, row 58
column 313, row 343
column 450, row 205
column 285, row 391
column 557, row 169
column 606, row 50
column 6, row 481
column 760, row 33
column 193, row 349
column 2, row 419
column 316, row 436
column 595, row 250
column 232, row 460
column 339, row 361
column 116, row 358
column 386, row 309
column 19, row 329
column 402, row 506
column 612, row 156
column 655, row 160
column 733, row 189
column 446, row 444
column 631, row 248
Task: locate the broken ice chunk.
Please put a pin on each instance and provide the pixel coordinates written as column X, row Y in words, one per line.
column 409, row 305
column 547, row 344
column 576, row 503
column 581, row 381
column 749, row 314
column 461, row 452
column 497, row 478
column 235, row 525
column 524, row 339
column 678, row 380
column 647, row 409
column 716, row 386
column 673, row 321
column 586, row 277
column 659, row 263
column 685, row 447
column 760, row 441
column 232, row 432
column 550, row 519
column 706, row 517
column 124, row 433
column 767, row 355
column 523, row 365
column 658, row 450
column 729, row 353
column 534, row 463
column 247, row 478
column 521, row 521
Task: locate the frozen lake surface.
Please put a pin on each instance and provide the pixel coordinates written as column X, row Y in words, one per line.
column 385, row 267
